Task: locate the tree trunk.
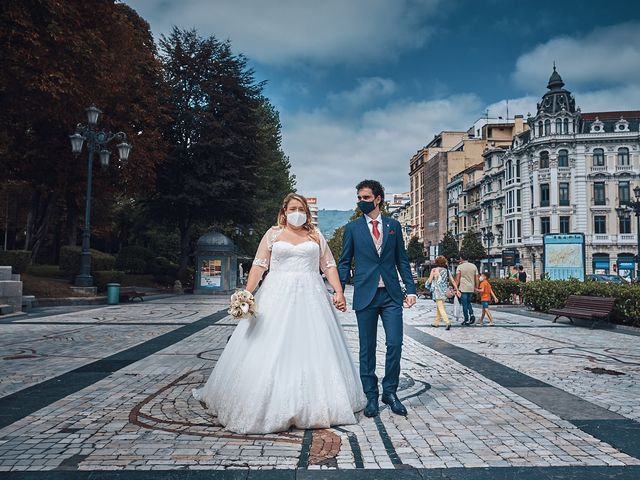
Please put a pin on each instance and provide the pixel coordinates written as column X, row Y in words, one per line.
column 185, row 250
column 38, row 219
column 73, row 215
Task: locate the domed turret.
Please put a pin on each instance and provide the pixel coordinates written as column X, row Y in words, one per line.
column 555, row 80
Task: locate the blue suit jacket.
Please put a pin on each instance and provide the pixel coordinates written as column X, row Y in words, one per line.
column 357, row 244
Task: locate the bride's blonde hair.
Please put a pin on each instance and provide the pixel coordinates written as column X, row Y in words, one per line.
column 312, row 232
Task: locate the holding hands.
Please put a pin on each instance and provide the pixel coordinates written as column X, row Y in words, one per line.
column 339, row 301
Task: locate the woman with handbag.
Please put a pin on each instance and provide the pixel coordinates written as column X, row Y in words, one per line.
column 440, row 280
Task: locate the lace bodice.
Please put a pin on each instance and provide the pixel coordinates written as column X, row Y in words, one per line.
column 281, row 256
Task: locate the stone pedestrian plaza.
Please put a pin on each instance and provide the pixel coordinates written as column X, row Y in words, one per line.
column 105, row 392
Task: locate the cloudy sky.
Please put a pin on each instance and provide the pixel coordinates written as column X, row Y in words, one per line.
column 361, row 85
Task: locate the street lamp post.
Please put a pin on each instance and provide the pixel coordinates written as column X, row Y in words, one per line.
column 97, row 141
column 623, row 211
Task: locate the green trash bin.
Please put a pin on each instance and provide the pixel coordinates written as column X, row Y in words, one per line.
column 113, row 293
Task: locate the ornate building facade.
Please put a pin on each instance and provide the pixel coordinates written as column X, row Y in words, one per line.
column 567, row 174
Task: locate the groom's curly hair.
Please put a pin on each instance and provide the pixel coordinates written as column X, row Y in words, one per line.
column 375, row 186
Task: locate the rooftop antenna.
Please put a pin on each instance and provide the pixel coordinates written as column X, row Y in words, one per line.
column 507, row 109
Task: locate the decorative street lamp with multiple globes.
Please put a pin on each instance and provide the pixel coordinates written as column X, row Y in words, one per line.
column 97, row 141
column 624, row 211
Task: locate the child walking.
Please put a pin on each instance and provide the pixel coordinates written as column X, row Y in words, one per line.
column 486, row 293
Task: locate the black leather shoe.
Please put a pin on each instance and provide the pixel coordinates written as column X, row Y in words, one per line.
column 472, row 320
column 372, row 409
column 394, row 404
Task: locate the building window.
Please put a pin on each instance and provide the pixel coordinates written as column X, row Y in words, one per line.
column 547, row 127
column 624, row 192
column 598, row 194
column 544, row 195
column 600, row 224
column 625, row 224
column 545, row 225
column 563, row 191
column 623, row 156
column 566, row 125
column 565, row 224
column 518, row 200
column 508, row 172
column 598, row 157
column 544, row 159
column 519, row 229
column 518, row 170
column 563, row 158
column 558, row 126
column 488, row 162
column 540, row 131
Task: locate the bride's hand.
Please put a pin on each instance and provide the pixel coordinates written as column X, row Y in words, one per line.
column 340, row 302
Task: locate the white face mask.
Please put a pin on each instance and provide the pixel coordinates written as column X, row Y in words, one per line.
column 297, row 219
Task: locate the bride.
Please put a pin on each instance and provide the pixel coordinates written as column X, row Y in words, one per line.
column 289, row 366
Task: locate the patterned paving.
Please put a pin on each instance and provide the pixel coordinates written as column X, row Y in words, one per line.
column 141, row 416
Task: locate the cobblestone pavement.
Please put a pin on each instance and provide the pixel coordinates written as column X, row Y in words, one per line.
column 108, row 389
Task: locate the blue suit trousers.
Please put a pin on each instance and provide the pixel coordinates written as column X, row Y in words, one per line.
column 385, row 307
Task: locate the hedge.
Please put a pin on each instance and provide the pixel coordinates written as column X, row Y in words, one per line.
column 164, row 271
column 505, row 289
column 135, row 259
column 70, row 260
column 46, row 271
column 543, row 295
column 18, row 260
column 102, row 277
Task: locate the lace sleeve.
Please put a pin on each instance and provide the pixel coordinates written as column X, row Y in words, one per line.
column 263, row 254
column 326, row 257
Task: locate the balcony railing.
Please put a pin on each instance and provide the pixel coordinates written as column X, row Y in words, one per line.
column 627, row 238
column 601, row 238
column 598, row 169
column 623, row 168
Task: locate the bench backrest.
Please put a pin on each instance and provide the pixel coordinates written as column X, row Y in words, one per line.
column 597, row 304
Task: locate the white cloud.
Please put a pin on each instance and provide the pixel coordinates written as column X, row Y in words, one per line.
column 323, row 32
column 330, row 155
column 605, row 56
column 367, row 90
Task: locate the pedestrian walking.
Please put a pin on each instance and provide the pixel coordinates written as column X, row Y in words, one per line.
column 443, row 286
column 467, row 281
column 522, row 275
column 486, row 294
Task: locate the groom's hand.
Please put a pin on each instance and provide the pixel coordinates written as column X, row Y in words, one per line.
column 410, row 301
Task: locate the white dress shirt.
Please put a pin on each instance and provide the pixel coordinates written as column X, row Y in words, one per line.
column 381, row 230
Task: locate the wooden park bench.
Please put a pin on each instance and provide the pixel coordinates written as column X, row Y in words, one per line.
column 128, row 294
column 585, row 308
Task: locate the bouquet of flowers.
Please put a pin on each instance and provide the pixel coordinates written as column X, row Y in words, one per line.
column 242, row 305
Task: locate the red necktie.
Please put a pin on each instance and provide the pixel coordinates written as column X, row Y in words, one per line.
column 376, row 232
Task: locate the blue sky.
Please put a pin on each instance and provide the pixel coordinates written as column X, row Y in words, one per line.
column 361, row 85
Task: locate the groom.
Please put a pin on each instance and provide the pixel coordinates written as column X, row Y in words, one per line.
column 375, row 242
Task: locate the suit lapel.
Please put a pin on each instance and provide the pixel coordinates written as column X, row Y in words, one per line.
column 364, row 225
column 385, row 232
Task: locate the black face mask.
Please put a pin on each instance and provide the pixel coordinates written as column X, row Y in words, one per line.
column 366, row 207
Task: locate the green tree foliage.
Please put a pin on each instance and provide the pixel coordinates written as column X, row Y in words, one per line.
column 472, row 248
column 225, row 167
column 415, row 251
column 57, row 59
column 448, row 247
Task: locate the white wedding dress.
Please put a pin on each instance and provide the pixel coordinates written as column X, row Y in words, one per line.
column 290, row 365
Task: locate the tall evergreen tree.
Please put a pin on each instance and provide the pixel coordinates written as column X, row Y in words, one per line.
column 448, row 247
column 415, row 251
column 472, row 248
column 218, row 136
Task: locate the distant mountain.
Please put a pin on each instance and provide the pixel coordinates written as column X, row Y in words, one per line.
column 329, row 220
